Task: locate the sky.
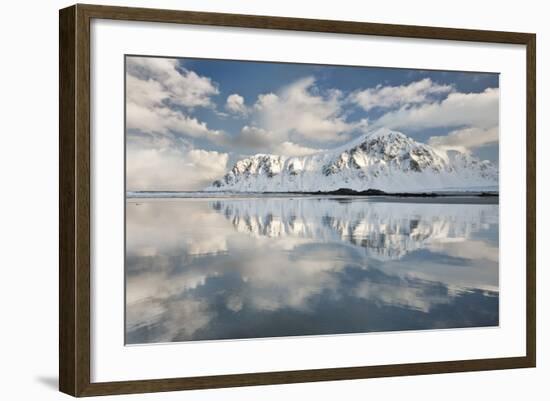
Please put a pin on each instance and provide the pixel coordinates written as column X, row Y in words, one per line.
column 189, row 120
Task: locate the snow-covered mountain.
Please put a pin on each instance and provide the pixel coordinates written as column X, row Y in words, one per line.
column 382, row 159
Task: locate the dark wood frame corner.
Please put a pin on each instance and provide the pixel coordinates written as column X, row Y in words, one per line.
column 74, row 199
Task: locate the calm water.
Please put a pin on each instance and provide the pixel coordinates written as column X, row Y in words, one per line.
column 203, row 269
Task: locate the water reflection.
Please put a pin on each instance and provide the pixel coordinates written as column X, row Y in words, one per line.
column 243, row 268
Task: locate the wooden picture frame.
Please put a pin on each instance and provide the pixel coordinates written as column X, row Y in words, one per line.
column 74, row 199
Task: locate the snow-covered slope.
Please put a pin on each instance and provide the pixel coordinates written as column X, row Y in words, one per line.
column 383, row 159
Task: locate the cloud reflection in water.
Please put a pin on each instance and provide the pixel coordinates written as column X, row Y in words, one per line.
column 267, row 267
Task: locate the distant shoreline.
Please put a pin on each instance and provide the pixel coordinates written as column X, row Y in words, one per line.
column 341, row 191
column 376, row 192
column 450, row 197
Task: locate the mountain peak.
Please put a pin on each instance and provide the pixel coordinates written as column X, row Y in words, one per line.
column 385, row 133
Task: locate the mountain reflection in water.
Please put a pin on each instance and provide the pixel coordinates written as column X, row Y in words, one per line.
column 265, row 267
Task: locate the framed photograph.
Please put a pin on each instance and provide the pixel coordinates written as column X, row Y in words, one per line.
column 250, row 200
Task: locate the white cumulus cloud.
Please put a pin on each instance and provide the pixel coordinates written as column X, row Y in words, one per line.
column 395, row 96
column 256, row 139
column 457, row 110
column 156, row 90
column 178, row 85
column 164, row 121
column 168, row 165
column 299, row 110
column 466, row 139
column 235, row 104
column 160, row 98
column 288, row 148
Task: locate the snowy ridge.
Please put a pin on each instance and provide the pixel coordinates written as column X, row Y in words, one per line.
column 383, row 159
